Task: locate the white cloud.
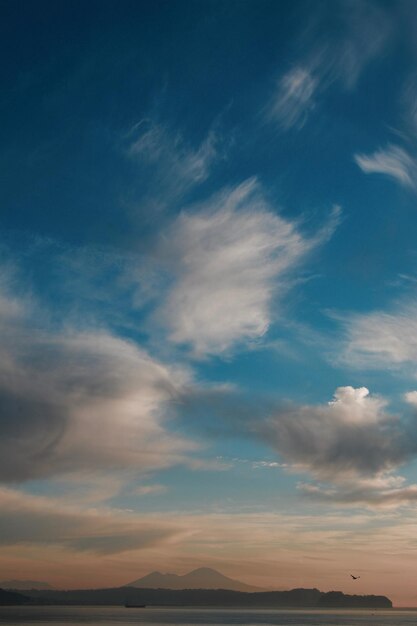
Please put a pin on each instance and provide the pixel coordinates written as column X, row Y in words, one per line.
column 145, row 490
column 411, row 397
column 393, row 162
column 380, row 339
column 231, row 259
column 355, row 405
column 267, row 464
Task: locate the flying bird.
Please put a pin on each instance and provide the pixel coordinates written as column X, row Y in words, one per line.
column 355, row 577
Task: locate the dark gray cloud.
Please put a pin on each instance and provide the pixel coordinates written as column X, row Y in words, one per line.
column 73, row 401
column 351, row 436
column 33, row 520
column 352, row 446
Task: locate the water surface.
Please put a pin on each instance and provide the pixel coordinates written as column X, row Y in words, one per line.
column 154, row 616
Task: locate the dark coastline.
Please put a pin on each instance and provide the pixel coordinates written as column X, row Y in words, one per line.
column 295, row 598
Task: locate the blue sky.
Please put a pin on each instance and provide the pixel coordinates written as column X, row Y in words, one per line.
column 207, row 291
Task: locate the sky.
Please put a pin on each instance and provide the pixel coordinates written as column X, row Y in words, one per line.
column 208, row 292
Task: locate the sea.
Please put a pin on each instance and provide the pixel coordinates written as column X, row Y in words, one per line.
column 155, row 616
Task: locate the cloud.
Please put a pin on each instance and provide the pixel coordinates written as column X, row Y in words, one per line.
column 45, row 521
column 352, row 447
column 293, row 550
column 45, row 533
column 75, row 401
column 372, row 496
column 171, row 167
column 144, row 490
column 367, row 29
column 411, row 397
column 294, row 98
column 393, row 162
column 381, row 339
column 409, row 102
column 360, row 33
column 230, row 260
column 31, row 520
column 351, row 437
column 267, row 464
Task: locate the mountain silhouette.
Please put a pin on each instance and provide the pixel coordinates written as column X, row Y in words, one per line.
column 201, row 578
column 24, row 584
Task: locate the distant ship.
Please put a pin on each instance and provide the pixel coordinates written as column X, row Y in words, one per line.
column 134, row 606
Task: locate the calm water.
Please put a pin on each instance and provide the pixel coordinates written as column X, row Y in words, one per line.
column 117, row 616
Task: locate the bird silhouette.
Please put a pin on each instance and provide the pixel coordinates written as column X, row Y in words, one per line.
column 355, row 577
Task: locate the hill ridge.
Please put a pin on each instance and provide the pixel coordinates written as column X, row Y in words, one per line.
column 212, row 597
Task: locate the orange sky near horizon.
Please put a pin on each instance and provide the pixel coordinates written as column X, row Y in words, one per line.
column 269, row 550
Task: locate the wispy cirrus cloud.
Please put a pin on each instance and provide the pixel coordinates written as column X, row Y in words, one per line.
column 230, row 259
column 294, row 98
column 170, row 165
column 381, row 339
column 391, row 161
column 214, row 278
column 366, row 28
column 363, row 29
